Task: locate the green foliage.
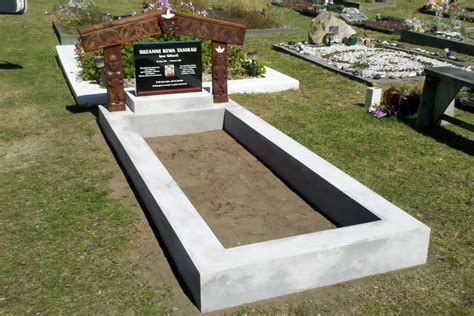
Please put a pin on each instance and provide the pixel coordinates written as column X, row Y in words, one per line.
column 89, row 70
column 79, row 15
column 239, row 65
column 251, row 17
column 361, row 65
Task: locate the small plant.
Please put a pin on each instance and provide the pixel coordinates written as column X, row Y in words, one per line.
column 360, row 65
column 78, row 14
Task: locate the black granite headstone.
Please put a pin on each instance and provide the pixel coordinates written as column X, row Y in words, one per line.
column 168, row 67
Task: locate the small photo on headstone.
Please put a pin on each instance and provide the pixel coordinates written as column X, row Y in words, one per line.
column 169, row 71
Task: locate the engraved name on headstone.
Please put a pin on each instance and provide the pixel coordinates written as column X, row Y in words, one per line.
column 168, row 67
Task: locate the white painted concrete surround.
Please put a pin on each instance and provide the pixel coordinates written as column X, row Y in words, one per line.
column 375, row 236
column 89, row 94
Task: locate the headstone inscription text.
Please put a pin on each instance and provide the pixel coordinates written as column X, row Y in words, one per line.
column 168, row 67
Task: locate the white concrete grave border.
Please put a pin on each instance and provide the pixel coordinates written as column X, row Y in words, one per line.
column 374, row 236
column 88, row 93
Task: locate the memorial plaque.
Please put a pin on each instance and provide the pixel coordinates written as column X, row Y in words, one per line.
column 168, row 67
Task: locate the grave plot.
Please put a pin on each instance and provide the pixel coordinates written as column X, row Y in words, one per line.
column 384, row 24
column 370, row 236
column 323, row 226
column 367, row 64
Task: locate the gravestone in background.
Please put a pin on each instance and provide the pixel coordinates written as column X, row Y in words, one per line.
column 168, row 67
column 13, row 6
column 324, row 23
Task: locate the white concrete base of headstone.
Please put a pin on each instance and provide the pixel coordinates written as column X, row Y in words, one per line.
column 168, row 102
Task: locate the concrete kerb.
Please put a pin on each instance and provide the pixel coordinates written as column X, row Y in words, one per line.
column 89, row 94
column 377, row 236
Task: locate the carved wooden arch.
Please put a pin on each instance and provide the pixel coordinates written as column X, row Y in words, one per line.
column 111, row 35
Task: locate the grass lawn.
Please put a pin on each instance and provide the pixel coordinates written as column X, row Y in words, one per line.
column 73, row 238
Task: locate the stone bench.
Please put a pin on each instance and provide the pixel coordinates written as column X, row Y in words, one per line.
column 442, row 84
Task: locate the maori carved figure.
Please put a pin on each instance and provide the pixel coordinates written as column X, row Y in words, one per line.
column 219, row 72
column 168, row 26
column 114, row 76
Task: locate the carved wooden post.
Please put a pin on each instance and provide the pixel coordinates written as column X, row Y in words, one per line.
column 114, row 77
column 219, row 72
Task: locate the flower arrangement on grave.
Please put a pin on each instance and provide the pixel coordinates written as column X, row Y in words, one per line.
column 415, row 24
column 451, row 30
column 239, row 65
column 441, row 8
column 397, row 102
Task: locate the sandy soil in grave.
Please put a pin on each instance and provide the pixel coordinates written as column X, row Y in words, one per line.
column 238, row 197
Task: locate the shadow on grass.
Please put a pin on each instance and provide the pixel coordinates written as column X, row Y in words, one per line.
column 5, row 65
column 149, row 218
column 75, row 109
column 445, row 136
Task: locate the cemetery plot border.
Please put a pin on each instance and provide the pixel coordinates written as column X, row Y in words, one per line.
column 465, row 47
column 374, row 236
column 64, row 37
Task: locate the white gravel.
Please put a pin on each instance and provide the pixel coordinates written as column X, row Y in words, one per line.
column 381, row 61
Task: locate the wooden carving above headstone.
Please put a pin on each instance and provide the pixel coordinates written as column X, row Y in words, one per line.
column 111, row 35
column 149, row 24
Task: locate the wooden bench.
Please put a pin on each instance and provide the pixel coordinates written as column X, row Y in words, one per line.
column 442, row 84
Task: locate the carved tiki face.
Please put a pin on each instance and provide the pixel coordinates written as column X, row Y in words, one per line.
column 168, row 26
column 113, row 63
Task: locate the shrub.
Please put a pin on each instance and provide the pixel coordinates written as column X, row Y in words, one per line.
column 79, row 14
column 253, row 14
